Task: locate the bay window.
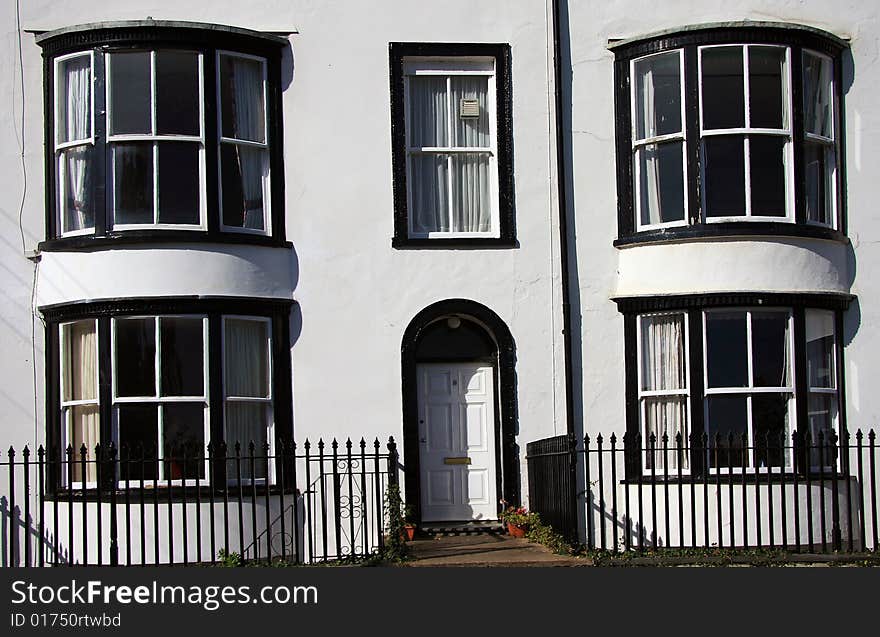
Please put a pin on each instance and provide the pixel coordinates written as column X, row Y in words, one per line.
column 451, row 131
column 168, row 132
column 729, row 130
column 722, row 382
column 162, row 380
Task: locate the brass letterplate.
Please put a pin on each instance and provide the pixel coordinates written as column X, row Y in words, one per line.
column 464, row 460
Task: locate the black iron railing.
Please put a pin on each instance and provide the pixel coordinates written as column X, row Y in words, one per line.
column 552, row 464
column 799, row 494
column 298, row 503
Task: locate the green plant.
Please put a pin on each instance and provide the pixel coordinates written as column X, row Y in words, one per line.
column 228, row 560
column 519, row 516
column 395, row 546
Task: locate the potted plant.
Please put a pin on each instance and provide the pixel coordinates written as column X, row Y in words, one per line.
column 518, row 520
column 409, row 526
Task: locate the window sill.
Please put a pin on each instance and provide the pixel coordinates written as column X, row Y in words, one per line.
column 454, row 243
column 141, row 237
column 162, row 493
column 751, row 478
column 773, row 229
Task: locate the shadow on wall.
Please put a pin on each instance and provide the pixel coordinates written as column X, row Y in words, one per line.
column 20, row 538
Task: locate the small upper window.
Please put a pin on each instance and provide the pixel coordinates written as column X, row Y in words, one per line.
column 175, row 137
column 714, row 135
column 453, row 159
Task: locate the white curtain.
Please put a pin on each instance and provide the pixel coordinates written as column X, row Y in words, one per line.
column 76, row 125
column 428, row 111
column 248, row 123
column 817, row 95
column 470, row 192
column 651, row 165
column 664, row 368
column 430, row 193
column 471, row 132
column 247, row 375
column 80, row 374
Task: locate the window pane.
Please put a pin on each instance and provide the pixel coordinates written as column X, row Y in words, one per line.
column 726, row 349
column 428, row 111
column 182, row 356
column 85, row 425
column 177, row 93
column 242, row 107
column 138, row 437
column 767, row 159
column 472, row 211
column 75, row 189
column 767, row 87
column 183, row 427
column 724, row 176
column 179, row 182
column 80, row 361
column 664, row 364
column 428, row 186
column 822, row 414
column 658, row 95
column 470, row 131
column 770, row 364
column 723, row 93
column 74, row 99
column 133, row 182
column 770, row 428
column 661, row 183
column 246, row 424
column 819, row 164
column 820, row 348
column 244, row 171
column 135, row 363
column 818, row 100
column 130, row 93
column 726, row 416
column 666, row 415
column 246, row 358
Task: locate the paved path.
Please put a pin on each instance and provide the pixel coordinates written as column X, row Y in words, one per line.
column 485, row 550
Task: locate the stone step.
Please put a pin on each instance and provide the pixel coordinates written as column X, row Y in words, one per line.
column 446, row 529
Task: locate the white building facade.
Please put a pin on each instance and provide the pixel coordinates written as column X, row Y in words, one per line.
column 466, row 227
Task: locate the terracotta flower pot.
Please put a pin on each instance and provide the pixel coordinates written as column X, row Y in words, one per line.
column 409, row 532
column 516, row 531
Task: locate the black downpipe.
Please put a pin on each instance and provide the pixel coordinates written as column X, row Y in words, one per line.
column 562, row 171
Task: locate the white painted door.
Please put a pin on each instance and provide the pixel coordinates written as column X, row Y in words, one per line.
column 457, row 442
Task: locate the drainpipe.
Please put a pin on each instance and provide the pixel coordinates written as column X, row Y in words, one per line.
column 561, row 173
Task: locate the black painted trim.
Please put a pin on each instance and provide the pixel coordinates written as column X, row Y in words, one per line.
column 53, row 398
column 504, row 135
column 639, row 304
column 278, row 310
column 206, row 39
column 139, row 237
column 507, row 450
column 693, row 305
column 797, row 38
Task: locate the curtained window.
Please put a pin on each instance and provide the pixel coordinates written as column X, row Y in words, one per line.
column 451, row 153
column 79, row 396
column 658, row 140
column 820, row 162
column 663, row 390
column 823, row 407
column 74, row 141
column 247, row 392
column 244, row 154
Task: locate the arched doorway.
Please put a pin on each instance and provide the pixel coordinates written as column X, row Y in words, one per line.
column 459, row 413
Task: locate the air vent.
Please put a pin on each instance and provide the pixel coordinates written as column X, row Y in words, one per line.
column 469, row 108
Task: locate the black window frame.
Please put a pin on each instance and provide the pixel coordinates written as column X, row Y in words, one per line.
column 215, row 309
column 798, row 39
column 693, row 306
column 207, row 39
column 504, row 142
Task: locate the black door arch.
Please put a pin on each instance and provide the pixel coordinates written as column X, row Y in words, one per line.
column 486, row 338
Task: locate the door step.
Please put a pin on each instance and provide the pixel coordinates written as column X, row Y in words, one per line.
column 443, row 529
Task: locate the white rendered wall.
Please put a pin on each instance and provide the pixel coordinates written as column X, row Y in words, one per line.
column 355, row 294
column 741, row 264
